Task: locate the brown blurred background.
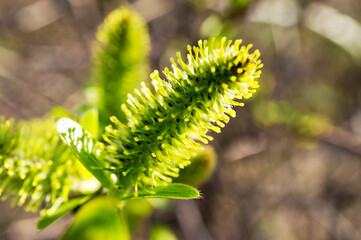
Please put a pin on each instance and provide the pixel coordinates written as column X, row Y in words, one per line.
column 289, row 163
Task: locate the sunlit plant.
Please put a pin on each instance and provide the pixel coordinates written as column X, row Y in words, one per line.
column 147, row 145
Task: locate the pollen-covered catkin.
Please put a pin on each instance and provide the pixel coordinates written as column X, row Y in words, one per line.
column 36, row 168
column 164, row 128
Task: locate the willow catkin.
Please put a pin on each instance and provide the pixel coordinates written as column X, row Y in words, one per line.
column 165, row 128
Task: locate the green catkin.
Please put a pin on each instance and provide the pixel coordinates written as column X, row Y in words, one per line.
column 120, row 60
column 164, row 129
column 35, row 165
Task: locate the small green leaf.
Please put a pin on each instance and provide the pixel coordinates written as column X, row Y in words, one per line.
column 98, row 219
column 51, row 216
column 174, row 190
column 83, row 147
column 90, row 122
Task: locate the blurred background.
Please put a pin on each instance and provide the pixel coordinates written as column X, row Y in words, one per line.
column 289, row 164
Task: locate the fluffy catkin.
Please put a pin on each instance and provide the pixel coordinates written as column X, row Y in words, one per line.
column 120, row 60
column 165, row 128
column 36, row 167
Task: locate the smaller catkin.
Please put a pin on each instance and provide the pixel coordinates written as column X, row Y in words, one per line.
column 164, row 129
column 120, row 60
column 35, row 165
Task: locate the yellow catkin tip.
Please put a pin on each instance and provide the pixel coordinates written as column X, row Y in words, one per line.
column 113, row 119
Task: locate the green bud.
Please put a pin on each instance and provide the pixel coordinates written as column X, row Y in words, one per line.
column 201, row 168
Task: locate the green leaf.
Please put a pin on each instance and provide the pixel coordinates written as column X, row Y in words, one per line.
column 90, row 122
column 51, row 216
column 98, row 219
column 83, row 147
column 174, row 190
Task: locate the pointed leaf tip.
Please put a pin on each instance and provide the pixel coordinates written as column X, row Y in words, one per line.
column 173, row 191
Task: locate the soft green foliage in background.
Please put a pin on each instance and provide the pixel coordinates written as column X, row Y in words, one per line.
column 295, row 119
column 161, row 232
